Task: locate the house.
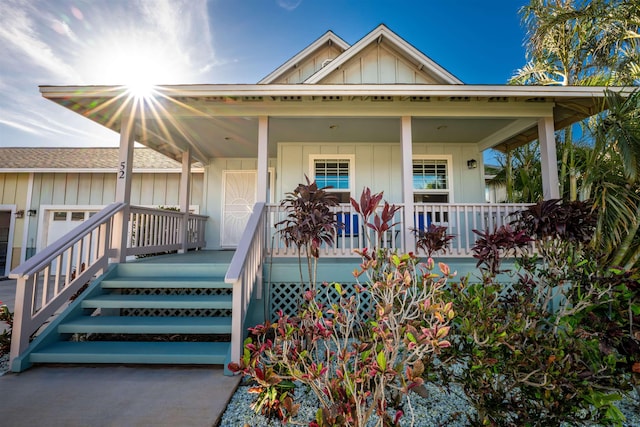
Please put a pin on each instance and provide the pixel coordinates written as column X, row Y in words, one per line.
column 45, row 192
column 378, row 113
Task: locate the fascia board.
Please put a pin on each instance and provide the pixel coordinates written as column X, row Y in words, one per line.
column 94, row 170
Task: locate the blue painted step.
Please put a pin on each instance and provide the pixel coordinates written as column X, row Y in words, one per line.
column 146, row 325
column 159, row 301
column 213, row 353
column 146, row 282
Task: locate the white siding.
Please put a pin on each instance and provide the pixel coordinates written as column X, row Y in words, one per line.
column 379, row 64
column 378, row 166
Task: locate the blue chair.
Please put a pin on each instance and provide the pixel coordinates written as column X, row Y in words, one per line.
column 351, row 227
column 421, row 222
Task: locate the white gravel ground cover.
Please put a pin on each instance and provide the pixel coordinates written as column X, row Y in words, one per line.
column 4, row 364
column 441, row 408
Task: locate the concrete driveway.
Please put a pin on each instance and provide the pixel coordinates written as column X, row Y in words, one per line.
column 114, row 396
column 70, row 396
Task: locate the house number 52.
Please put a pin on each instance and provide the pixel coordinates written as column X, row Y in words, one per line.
column 123, row 166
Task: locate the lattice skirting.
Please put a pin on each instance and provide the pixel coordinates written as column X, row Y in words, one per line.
column 184, row 312
column 288, row 298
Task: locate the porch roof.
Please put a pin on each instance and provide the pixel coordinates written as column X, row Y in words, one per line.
column 221, row 120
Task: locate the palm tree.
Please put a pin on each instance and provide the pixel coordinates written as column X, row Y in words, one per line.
column 612, row 179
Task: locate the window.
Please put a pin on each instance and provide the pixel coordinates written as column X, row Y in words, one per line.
column 77, row 216
column 432, row 180
column 59, row 216
column 336, row 172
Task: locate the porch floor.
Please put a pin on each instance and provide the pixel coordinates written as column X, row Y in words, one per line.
column 340, row 265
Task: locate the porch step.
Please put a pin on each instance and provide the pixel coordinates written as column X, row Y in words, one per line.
column 147, row 325
column 213, row 353
column 159, row 301
column 140, row 305
column 146, row 282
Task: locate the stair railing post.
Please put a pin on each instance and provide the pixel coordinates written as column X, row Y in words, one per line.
column 21, row 317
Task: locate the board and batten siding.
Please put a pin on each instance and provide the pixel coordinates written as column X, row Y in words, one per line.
column 13, row 192
column 378, row 166
column 71, row 189
column 379, row 64
column 311, row 65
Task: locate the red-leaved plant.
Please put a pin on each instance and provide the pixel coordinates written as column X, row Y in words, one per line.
column 381, row 223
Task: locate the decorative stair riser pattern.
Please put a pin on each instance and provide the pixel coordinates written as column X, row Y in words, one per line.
column 147, row 314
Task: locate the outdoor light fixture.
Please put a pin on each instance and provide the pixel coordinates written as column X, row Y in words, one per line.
column 20, row 214
column 32, row 212
column 472, row 164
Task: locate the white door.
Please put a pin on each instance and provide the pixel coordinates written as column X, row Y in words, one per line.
column 238, row 198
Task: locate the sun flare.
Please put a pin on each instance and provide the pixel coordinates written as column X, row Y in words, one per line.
column 136, row 64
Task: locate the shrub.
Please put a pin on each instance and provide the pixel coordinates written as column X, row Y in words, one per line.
column 433, row 240
column 358, row 367
column 5, row 337
column 357, row 363
column 530, row 353
column 309, row 223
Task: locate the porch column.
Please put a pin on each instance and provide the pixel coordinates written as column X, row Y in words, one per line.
column 263, row 159
column 549, row 159
column 185, row 193
column 406, row 139
column 123, row 185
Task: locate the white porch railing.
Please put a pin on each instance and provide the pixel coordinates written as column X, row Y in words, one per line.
column 159, row 230
column 353, row 235
column 462, row 218
column 459, row 218
column 46, row 281
column 245, row 274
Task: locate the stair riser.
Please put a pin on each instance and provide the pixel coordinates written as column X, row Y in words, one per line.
column 162, row 270
column 133, row 283
column 186, row 359
column 143, row 329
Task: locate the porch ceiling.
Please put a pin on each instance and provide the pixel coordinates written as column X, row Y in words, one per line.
column 222, row 120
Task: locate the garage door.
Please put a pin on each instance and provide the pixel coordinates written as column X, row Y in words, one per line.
column 61, row 222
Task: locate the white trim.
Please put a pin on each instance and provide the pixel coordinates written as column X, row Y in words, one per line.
column 27, row 220
column 351, row 158
column 449, row 160
column 12, row 225
column 91, row 170
column 107, row 92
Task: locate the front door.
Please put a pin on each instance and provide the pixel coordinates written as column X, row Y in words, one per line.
column 5, row 228
column 238, row 198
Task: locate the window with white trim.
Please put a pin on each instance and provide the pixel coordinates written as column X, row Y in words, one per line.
column 431, row 180
column 333, row 171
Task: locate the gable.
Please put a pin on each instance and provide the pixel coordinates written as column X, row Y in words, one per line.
column 310, row 65
column 308, row 61
column 379, row 63
column 382, row 57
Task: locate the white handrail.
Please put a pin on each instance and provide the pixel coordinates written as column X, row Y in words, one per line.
column 46, row 281
column 244, row 273
column 45, row 256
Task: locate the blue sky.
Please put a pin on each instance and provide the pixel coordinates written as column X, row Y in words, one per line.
column 77, row 42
